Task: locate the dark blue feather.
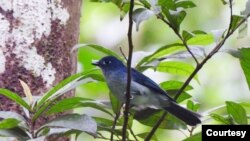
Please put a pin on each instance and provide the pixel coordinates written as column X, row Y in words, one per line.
column 147, row 82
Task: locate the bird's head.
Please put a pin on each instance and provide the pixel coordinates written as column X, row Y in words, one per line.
column 109, row 63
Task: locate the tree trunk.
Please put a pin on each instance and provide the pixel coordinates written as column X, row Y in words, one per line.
column 36, row 37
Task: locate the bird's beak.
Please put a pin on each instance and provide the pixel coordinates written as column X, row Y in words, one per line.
column 95, row 62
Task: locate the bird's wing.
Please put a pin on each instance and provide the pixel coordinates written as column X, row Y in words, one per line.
column 147, row 82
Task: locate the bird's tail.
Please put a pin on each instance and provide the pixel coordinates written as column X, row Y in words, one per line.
column 185, row 115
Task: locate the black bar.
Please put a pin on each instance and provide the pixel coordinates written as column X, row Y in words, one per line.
column 232, row 132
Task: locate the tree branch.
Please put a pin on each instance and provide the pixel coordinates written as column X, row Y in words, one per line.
column 130, row 44
column 117, row 115
column 179, row 36
column 198, row 67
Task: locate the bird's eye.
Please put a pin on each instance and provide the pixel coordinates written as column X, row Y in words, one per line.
column 104, row 63
column 109, row 62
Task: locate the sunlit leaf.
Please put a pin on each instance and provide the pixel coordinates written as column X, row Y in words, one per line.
column 174, row 85
column 195, row 137
column 15, row 97
column 193, row 106
column 198, row 52
column 237, row 112
column 178, row 68
column 201, row 39
column 220, row 119
column 144, row 135
column 141, row 14
column 9, row 123
column 244, row 62
column 162, row 51
column 116, row 104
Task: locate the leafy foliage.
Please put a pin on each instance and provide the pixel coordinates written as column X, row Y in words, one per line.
column 245, row 61
column 167, row 59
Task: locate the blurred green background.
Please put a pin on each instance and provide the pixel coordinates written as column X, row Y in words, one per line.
column 221, row 79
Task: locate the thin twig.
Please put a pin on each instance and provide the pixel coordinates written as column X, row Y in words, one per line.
column 130, row 45
column 153, row 130
column 123, row 53
column 132, row 133
column 117, row 115
column 179, row 36
column 191, row 130
column 198, row 67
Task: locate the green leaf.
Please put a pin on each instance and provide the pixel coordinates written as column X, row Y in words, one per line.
column 150, row 116
column 167, row 3
column 162, row 51
column 187, row 35
column 9, row 123
column 17, row 133
column 201, row 39
column 103, row 122
column 245, row 63
column 124, row 9
column 60, row 85
column 141, row 14
column 195, row 137
column 75, row 102
column 9, row 114
column 78, row 122
column 174, row 16
column 183, row 96
column 220, row 118
column 61, row 88
column 224, row 2
column 144, row 135
column 174, row 85
column 115, row 103
column 15, row 97
column 98, row 48
column 236, row 19
column 193, row 106
column 178, row 68
column 70, row 82
column 145, row 3
column 236, row 111
column 185, row 4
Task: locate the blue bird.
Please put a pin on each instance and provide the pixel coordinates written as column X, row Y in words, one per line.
column 144, row 91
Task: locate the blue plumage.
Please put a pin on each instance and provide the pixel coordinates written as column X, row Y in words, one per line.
column 144, row 91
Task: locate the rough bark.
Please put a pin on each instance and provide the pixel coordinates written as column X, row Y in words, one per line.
column 36, row 37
